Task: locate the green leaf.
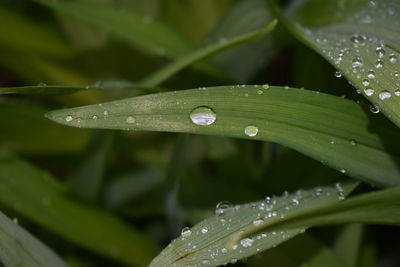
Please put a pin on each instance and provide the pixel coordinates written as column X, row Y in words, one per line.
column 44, row 89
column 360, row 38
column 235, row 232
column 87, row 179
column 348, row 243
column 204, row 52
column 142, row 31
column 38, row 196
column 330, row 129
column 20, row 248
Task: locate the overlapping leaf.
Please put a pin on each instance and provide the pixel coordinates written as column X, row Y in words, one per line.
column 361, row 38
column 333, row 130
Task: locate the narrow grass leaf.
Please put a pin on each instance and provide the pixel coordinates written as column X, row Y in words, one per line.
column 335, row 131
column 361, row 39
column 20, row 248
column 39, row 197
column 205, row 52
column 236, row 232
column 142, row 31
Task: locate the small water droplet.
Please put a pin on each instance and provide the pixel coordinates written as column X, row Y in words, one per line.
column 246, row 242
column 105, row 113
column 204, row 230
column 369, row 91
column 371, row 74
column 356, row 63
column 338, row 74
column 318, row 192
column 353, row 142
column 203, row 116
column 393, row 58
column 41, row 84
column 260, row 92
column 251, row 130
column 94, row 117
column 379, row 64
column 130, row 120
column 385, row 95
column 224, row 250
column 397, row 92
column 340, row 191
column 357, row 40
column 343, row 170
column 365, row 82
column 374, row 109
column 265, row 86
column 258, row 221
column 186, row 232
column 68, row 118
column 380, row 52
column 223, row 207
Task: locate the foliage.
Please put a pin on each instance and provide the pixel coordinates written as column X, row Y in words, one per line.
column 296, row 96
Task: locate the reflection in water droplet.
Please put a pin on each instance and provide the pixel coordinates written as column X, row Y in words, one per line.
column 246, row 242
column 68, row 118
column 223, row 207
column 251, row 130
column 371, row 74
column 385, row 95
column 130, row 120
column 186, row 232
column 369, row 91
column 203, row 116
column 374, row 109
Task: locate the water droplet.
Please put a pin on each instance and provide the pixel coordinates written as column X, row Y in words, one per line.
column 371, row 74
column 365, row 82
column 318, row 192
column 130, row 120
column 41, row 84
column 105, row 113
column 204, row 230
column 338, row 74
column 340, row 191
column 353, row 142
column 68, row 118
column 251, row 130
column 223, row 207
column 258, row 221
column 343, row 170
column 393, row 58
column 265, row 86
column 203, row 116
column 369, row 91
column 380, row 52
column 385, row 95
column 396, row 74
column 356, row 63
column 186, row 232
column 379, row 64
column 397, row 92
column 246, row 242
column 260, row 92
column 374, row 109
column 94, row 117
column 357, row 40
column 295, row 201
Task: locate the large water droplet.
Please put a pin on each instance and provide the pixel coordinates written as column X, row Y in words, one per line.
column 203, row 116
column 397, row 92
column 68, row 118
column 371, row 74
column 223, row 207
column 258, row 221
column 380, row 52
column 251, row 130
column 365, row 82
column 204, row 230
column 385, row 95
column 246, row 242
column 186, row 232
column 393, row 58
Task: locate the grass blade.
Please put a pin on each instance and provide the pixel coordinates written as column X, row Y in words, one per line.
column 330, row 129
column 204, row 52
column 39, row 197
column 235, row 233
column 19, row 248
column 361, row 39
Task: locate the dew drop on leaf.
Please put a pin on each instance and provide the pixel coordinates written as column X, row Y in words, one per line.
column 204, row 230
column 397, row 92
column 371, row 74
column 338, row 74
column 223, row 207
column 374, row 109
column 251, row 130
column 379, row 64
column 265, row 86
column 68, row 118
column 246, row 242
column 357, row 40
column 186, row 232
column 130, row 120
column 393, row 58
column 385, row 95
column 203, row 116
column 365, row 82
column 369, row 91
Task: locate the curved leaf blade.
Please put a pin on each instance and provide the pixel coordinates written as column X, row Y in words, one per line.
column 20, row 248
column 361, row 38
column 36, row 195
column 330, row 129
column 237, row 232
